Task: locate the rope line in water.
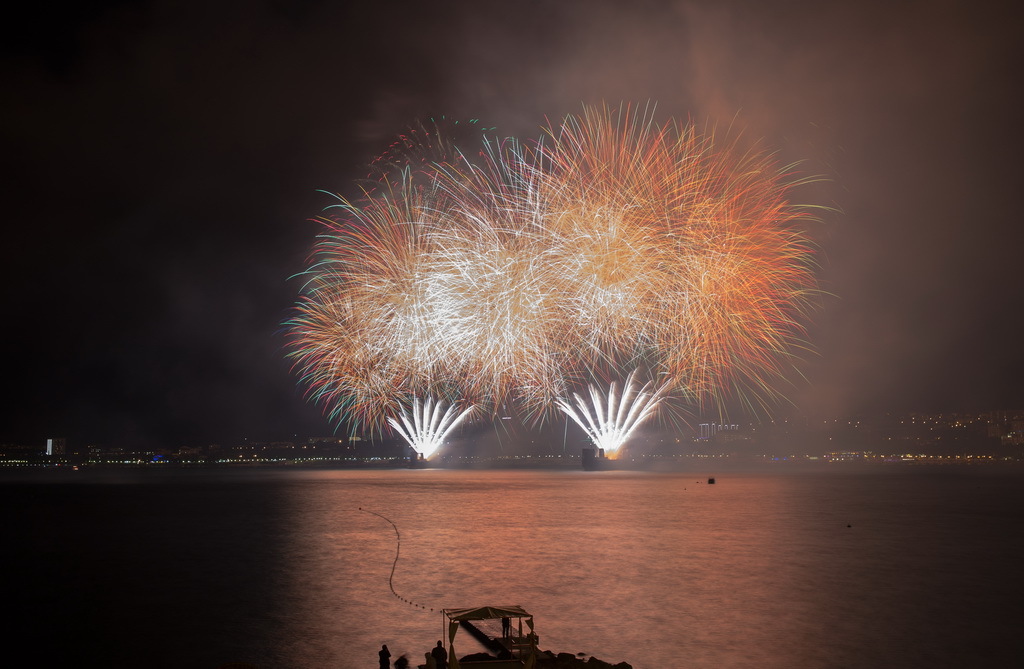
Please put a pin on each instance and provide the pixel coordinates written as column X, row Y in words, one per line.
column 394, row 565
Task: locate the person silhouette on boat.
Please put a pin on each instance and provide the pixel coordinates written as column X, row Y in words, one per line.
column 440, row 656
column 402, row 662
column 385, row 657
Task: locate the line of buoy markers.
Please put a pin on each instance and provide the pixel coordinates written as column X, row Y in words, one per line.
column 398, row 549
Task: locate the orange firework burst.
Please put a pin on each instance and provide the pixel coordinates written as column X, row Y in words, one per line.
column 686, row 255
column 522, row 272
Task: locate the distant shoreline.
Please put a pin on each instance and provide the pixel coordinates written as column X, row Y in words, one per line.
column 697, row 466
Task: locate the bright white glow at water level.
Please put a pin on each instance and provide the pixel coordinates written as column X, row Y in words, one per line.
column 610, row 419
column 426, row 428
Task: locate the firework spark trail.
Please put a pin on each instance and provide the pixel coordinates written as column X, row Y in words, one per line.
column 513, row 273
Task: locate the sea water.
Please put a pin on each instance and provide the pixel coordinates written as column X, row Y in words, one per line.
column 883, row 567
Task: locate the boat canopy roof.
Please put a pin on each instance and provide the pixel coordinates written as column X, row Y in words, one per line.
column 487, row 613
column 526, row 648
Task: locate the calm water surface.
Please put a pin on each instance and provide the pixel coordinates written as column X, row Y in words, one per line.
column 283, row 568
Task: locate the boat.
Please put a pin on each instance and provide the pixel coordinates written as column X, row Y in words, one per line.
column 506, row 631
column 593, row 459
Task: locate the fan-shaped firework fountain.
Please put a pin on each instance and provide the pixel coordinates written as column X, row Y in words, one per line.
column 510, row 274
column 425, row 428
column 609, row 419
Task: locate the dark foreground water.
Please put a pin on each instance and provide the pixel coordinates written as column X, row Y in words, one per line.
column 919, row 568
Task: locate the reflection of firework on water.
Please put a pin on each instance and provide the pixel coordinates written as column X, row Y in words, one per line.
column 425, row 427
column 610, row 418
column 515, row 273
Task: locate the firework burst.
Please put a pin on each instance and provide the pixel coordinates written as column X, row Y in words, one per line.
column 509, row 273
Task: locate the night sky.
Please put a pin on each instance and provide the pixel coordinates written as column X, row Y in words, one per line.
column 163, row 160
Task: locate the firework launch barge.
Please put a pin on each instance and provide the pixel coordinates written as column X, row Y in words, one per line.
column 507, row 632
column 594, row 460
